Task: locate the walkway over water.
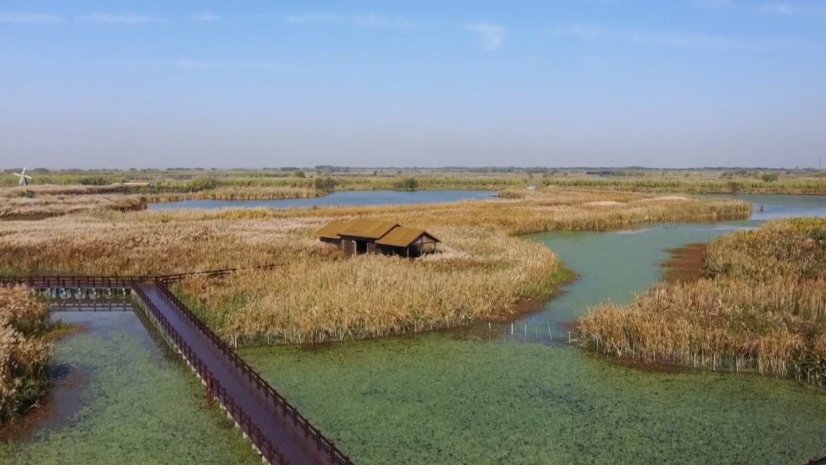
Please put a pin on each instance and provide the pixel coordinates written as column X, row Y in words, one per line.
column 274, row 427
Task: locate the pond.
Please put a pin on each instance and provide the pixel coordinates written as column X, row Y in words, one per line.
column 120, row 398
column 336, row 199
column 442, row 398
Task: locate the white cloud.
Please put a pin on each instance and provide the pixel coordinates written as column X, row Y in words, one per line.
column 207, row 64
column 583, row 32
column 30, row 18
column 713, row 4
column 677, row 39
column 364, row 21
column 779, row 8
column 109, row 18
column 204, row 17
column 493, row 35
column 793, row 9
column 723, row 43
column 201, row 64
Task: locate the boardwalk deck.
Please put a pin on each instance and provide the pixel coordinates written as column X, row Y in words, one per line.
column 276, row 425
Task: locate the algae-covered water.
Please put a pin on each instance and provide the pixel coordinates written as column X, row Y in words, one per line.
column 135, row 404
column 435, row 399
column 443, row 399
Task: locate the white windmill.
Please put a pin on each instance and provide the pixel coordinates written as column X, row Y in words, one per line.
column 24, row 178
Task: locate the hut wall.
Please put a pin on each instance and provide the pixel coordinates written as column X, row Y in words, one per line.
column 335, row 242
column 348, row 246
column 371, row 247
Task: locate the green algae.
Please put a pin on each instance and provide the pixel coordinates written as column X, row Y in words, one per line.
column 136, row 405
column 438, row 399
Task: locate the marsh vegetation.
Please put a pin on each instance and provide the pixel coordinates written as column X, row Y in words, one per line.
column 24, row 354
column 761, row 307
column 36, row 202
column 314, row 294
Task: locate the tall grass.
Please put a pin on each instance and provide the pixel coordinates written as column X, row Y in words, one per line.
column 241, row 193
column 45, row 201
column 482, row 270
column 24, row 356
column 762, row 308
column 481, row 275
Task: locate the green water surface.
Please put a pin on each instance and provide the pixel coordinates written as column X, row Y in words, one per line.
column 137, row 405
column 442, row 399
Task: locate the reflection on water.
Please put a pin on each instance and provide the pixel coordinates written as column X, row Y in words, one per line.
column 337, row 199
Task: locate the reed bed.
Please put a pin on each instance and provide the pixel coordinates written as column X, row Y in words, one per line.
column 315, row 295
column 761, row 308
column 480, row 275
column 46, row 201
column 242, row 193
column 701, row 185
column 24, row 355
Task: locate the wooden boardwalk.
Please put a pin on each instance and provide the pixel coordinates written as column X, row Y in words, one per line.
column 274, row 427
column 263, row 420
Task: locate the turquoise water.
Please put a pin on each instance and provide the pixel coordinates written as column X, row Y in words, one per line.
column 131, row 404
column 614, row 266
column 336, row 199
column 441, row 398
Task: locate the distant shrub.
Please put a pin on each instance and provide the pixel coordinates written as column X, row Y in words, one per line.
column 299, row 174
column 769, row 177
column 325, row 184
column 94, row 181
column 201, row 184
column 409, row 184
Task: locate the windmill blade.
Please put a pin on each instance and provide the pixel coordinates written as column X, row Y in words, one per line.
column 27, row 176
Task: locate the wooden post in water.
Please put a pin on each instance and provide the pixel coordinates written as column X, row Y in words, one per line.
column 209, row 395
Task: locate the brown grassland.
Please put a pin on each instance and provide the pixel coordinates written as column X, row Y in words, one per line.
column 760, row 307
column 36, row 202
column 314, row 295
column 24, row 355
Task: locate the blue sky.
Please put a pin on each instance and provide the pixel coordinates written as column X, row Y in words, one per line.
column 427, row 83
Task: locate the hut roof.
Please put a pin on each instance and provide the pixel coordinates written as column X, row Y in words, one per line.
column 403, row 237
column 331, row 230
column 368, row 229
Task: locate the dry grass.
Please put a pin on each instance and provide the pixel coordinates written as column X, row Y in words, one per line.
column 316, row 295
column 45, row 201
column 480, row 275
column 242, row 193
column 762, row 308
column 24, row 356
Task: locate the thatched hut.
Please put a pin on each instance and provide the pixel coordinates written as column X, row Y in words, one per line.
column 376, row 236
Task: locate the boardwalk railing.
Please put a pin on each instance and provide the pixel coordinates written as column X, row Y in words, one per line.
column 58, row 281
column 113, row 281
column 268, row 450
column 324, row 445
